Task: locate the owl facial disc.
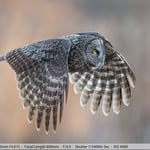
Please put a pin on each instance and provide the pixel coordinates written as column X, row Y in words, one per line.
column 96, row 54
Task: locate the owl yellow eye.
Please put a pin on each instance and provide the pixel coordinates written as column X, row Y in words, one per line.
column 95, row 52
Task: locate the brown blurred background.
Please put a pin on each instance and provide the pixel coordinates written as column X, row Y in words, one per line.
column 125, row 23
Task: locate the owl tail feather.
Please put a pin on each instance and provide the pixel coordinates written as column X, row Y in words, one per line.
column 2, row 57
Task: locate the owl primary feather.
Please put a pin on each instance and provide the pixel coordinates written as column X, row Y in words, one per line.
column 99, row 73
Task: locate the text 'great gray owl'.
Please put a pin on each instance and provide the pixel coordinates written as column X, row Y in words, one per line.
column 99, row 72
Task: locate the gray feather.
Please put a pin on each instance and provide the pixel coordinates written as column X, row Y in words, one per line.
column 99, row 73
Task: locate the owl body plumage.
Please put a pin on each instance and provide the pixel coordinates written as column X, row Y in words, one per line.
column 97, row 71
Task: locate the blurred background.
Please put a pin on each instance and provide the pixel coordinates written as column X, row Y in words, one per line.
column 125, row 23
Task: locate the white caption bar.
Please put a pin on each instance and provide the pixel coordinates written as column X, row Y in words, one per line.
column 74, row 146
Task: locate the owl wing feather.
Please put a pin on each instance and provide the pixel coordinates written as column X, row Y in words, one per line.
column 108, row 86
column 42, row 74
column 41, row 70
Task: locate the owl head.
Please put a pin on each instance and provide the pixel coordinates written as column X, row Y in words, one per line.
column 92, row 48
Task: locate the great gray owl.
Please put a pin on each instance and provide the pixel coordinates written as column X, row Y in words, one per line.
column 97, row 70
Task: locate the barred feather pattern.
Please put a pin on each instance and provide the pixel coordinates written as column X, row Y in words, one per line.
column 41, row 97
column 99, row 73
column 42, row 86
column 108, row 86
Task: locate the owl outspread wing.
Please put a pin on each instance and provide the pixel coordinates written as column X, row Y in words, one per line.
column 41, row 70
column 109, row 85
